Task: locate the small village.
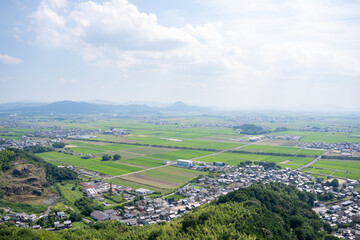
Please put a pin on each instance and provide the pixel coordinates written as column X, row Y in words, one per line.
column 224, row 179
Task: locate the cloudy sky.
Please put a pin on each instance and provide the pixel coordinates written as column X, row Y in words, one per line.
column 223, row 53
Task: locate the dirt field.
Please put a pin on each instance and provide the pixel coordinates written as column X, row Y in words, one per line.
column 159, row 183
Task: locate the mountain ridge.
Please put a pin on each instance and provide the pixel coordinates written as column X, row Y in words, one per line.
column 73, row 107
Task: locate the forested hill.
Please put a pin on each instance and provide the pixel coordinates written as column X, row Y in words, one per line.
column 23, row 173
column 271, row 211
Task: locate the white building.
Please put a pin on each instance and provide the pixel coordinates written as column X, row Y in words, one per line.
column 184, row 163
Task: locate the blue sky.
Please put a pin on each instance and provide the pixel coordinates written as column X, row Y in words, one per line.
column 223, row 53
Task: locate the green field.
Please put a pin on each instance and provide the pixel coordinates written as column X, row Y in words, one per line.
column 256, row 147
column 149, row 150
column 235, row 158
column 310, row 152
column 133, row 185
column 92, row 164
column 85, row 150
column 167, row 177
column 148, row 162
column 345, row 165
column 53, row 155
column 172, row 174
column 286, row 150
column 181, row 154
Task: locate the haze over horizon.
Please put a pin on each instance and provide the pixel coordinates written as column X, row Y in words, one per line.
column 226, row 54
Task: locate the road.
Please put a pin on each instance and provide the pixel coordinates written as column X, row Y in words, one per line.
column 193, row 159
column 226, row 150
column 312, row 162
column 126, row 174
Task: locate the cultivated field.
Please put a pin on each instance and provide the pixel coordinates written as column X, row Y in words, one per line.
column 167, row 177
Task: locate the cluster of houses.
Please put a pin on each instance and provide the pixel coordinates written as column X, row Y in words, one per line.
column 206, row 189
column 63, row 132
column 343, row 216
column 20, row 219
column 343, row 148
column 23, row 220
column 24, row 142
column 115, row 131
column 319, row 129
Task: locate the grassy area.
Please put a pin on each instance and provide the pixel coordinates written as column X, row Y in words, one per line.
column 68, row 195
column 175, row 196
column 24, row 207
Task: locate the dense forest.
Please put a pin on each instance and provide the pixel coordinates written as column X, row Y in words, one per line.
column 263, row 211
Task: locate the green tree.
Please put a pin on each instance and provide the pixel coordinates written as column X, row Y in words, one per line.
column 58, row 145
column 106, row 157
column 116, row 157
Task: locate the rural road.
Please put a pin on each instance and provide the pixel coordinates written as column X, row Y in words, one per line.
column 212, row 154
column 126, row 174
column 312, row 162
column 226, row 150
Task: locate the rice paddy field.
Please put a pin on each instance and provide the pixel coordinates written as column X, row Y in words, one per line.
column 181, row 154
column 336, row 168
column 158, row 142
column 164, row 178
column 235, row 159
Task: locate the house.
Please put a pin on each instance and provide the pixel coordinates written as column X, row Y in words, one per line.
column 61, row 215
column 99, row 216
column 68, row 224
column 143, row 191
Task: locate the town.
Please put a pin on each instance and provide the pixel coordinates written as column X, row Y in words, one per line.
column 218, row 179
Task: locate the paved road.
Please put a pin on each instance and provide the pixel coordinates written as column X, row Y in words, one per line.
column 126, row 174
column 193, row 159
column 312, row 162
column 226, row 150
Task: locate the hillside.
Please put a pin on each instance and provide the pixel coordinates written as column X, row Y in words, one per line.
column 25, row 177
column 271, row 211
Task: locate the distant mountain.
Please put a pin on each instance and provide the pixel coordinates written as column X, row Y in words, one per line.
column 70, row 107
column 97, row 101
column 182, row 107
column 150, row 104
column 65, row 107
column 12, row 105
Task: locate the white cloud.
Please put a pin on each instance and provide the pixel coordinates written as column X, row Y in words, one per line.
column 4, row 58
column 245, row 46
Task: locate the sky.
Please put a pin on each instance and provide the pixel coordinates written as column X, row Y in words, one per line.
column 229, row 54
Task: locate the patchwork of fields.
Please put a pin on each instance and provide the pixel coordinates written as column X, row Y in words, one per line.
column 163, row 178
column 336, row 168
column 171, row 138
